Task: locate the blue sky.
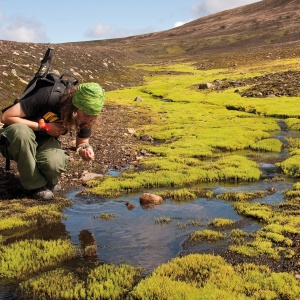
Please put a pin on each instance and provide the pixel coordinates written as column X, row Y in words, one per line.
column 60, row 21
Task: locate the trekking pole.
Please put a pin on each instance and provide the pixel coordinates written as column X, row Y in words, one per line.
column 45, row 62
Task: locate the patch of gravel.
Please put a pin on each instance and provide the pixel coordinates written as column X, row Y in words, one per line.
column 270, row 85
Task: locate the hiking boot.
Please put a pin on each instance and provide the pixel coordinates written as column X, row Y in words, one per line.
column 55, row 188
column 42, row 194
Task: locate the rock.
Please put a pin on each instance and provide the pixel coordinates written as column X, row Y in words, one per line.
column 272, row 189
column 129, row 206
column 89, row 176
column 135, row 163
column 147, row 138
column 131, row 131
column 148, row 198
column 143, row 151
column 206, row 85
column 138, row 98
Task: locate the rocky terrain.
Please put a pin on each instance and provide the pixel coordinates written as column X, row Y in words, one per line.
column 270, row 85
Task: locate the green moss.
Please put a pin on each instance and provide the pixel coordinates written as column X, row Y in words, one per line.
column 293, row 124
column 104, row 282
column 107, row 216
column 210, row 277
column 186, row 194
column 238, row 236
column 221, row 222
column 190, row 222
column 274, row 239
column 27, row 213
column 240, row 196
column 164, row 288
column 163, row 220
column 294, row 194
column 56, row 284
column 268, row 145
column 258, row 211
column 160, row 172
column 291, row 166
column 111, row 282
column 26, row 257
column 206, row 235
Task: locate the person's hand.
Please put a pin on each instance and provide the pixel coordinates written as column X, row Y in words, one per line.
column 86, row 152
column 53, row 129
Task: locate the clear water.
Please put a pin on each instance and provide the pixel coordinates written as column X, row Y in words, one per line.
column 135, row 237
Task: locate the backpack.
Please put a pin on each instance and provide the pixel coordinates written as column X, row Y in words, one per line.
column 41, row 79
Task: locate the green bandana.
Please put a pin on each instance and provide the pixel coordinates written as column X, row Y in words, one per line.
column 89, row 98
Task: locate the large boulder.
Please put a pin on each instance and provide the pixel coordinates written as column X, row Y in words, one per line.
column 147, row 198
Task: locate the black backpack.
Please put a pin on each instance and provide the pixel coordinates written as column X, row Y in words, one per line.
column 43, row 78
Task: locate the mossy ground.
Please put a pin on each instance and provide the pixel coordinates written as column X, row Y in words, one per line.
column 196, row 134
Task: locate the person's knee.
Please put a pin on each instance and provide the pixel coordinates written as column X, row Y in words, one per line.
column 19, row 131
column 58, row 162
column 53, row 164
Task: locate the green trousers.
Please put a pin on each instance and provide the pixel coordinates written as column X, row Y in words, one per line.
column 38, row 164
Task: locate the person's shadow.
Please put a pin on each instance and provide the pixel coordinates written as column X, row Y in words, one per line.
column 10, row 187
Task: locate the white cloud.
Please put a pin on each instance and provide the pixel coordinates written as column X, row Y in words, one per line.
column 100, row 30
column 208, row 7
column 23, row 30
column 178, row 23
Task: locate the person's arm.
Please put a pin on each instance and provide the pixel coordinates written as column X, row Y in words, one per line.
column 15, row 114
column 84, row 149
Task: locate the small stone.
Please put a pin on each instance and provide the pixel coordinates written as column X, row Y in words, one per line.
column 90, row 176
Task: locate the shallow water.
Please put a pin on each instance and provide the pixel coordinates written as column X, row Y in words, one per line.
column 134, row 236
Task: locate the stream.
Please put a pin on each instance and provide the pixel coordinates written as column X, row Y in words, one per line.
column 136, row 237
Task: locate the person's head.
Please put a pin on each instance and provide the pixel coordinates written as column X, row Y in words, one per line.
column 85, row 105
column 89, row 98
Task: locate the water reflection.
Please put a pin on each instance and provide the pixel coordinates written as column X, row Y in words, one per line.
column 135, row 238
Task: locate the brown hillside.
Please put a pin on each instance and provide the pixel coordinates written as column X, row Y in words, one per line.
column 265, row 28
column 267, row 23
